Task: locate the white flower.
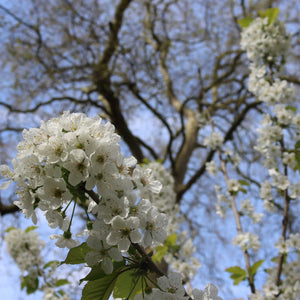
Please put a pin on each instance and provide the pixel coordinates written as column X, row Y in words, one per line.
column 211, row 168
column 257, row 296
column 155, row 225
column 63, row 242
column 279, row 180
column 144, row 180
column 233, row 185
column 54, row 193
column 26, row 204
column 282, row 245
column 261, row 39
column 55, row 219
column 102, row 252
column 294, row 241
column 140, row 209
column 55, row 149
column 270, row 289
column 113, row 207
column 25, row 248
column 284, row 116
column 171, row 285
column 295, row 190
column 247, row 240
column 289, row 159
column 6, row 172
column 77, row 164
column 266, row 191
column 213, row 141
column 124, row 232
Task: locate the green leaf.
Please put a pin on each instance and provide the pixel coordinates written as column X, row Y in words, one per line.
column 237, row 278
column 76, row 255
column 10, row 229
column 175, row 248
column 238, row 274
column 61, row 282
column 48, row 264
column 243, row 190
column 97, row 271
column 61, row 292
column 297, row 145
column 171, row 240
column 255, row 266
column 297, row 157
column 31, row 284
column 292, row 108
column 160, row 253
column 100, row 288
column 236, row 270
column 244, row 23
column 244, row 182
column 270, row 13
column 146, row 161
column 30, row 228
column 128, row 285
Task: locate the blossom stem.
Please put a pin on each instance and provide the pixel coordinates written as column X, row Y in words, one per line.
column 237, row 222
column 72, row 216
column 285, row 221
column 93, row 195
column 151, row 265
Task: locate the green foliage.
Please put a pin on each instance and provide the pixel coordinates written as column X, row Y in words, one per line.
column 276, row 259
column 146, row 161
column 61, row 282
column 160, row 253
column 171, row 240
column 48, row 264
column 244, row 182
column 102, row 287
column 128, row 284
column 169, row 244
column 77, row 254
column 297, row 155
column 30, row 228
column 297, row 145
column 237, row 274
column 244, row 23
column 253, row 269
column 291, row 108
column 97, row 271
column 10, row 229
column 31, row 284
column 270, row 13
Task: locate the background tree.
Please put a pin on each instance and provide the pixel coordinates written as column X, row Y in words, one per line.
column 163, row 72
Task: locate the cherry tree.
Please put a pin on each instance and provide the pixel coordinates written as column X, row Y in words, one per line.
column 133, row 239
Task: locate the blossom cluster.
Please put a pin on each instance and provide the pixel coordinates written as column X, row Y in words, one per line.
column 165, row 200
column 247, row 240
column 266, row 44
column 25, row 248
column 171, row 288
column 264, row 41
column 214, row 140
column 182, row 261
column 289, row 288
column 70, row 158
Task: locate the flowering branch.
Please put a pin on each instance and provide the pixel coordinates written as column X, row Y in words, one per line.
column 237, row 221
